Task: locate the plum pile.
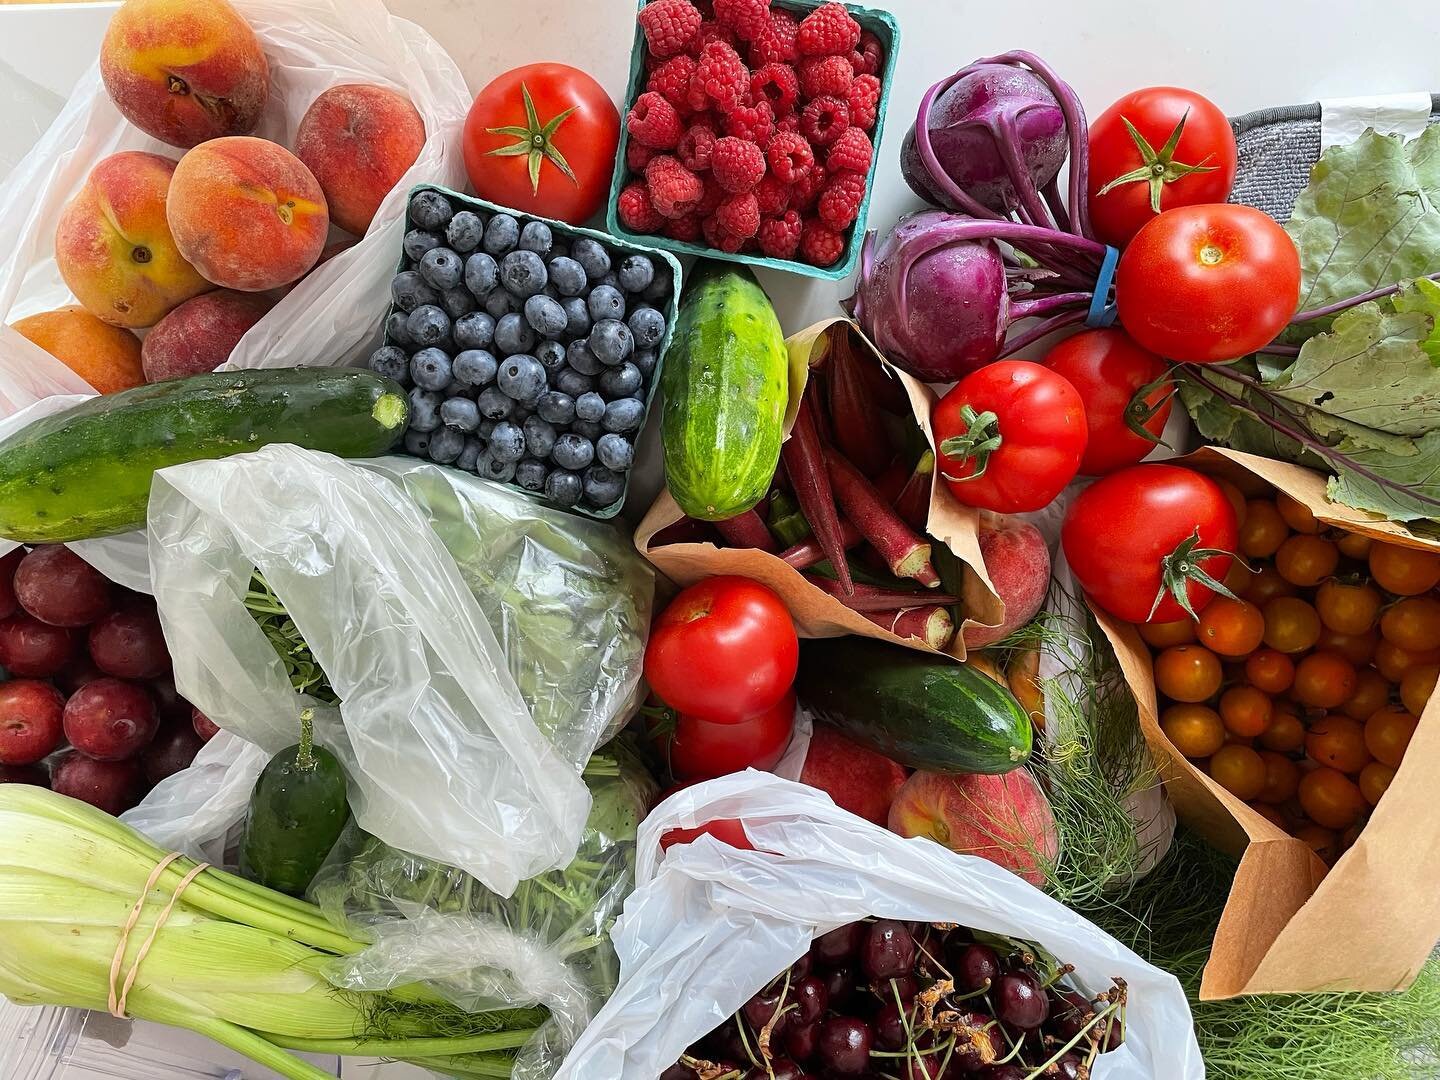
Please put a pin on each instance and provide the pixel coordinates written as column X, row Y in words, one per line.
column 916, row 1001
column 84, row 662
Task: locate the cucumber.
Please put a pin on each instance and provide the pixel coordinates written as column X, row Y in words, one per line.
column 86, row 472
column 923, row 711
column 726, row 383
column 297, row 812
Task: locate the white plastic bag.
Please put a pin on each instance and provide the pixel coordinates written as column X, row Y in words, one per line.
column 709, row 925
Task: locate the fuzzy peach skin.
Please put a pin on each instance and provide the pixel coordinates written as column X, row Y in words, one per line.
column 114, row 246
column 1018, row 563
column 359, row 140
column 185, row 71
column 247, row 213
column 199, row 335
column 105, row 356
column 856, row 779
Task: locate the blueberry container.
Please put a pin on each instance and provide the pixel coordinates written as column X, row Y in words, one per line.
column 880, row 23
column 568, row 234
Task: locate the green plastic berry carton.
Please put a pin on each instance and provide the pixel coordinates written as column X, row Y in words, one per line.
column 880, row 23
column 569, row 233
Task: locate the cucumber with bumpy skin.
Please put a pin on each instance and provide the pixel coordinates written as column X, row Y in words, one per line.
column 86, row 472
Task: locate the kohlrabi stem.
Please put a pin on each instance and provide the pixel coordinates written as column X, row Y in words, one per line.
column 1030, row 206
column 1279, row 350
column 1030, row 308
column 962, row 199
column 1058, row 211
column 1038, row 331
column 1353, row 301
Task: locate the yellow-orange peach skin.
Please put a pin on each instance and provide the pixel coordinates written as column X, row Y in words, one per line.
column 105, row 356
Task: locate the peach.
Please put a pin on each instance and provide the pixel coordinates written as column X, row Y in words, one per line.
column 185, row 71
column 114, row 246
column 199, row 335
column 105, row 356
column 359, row 140
column 1005, row 818
column 856, row 779
column 1018, row 563
column 247, row 213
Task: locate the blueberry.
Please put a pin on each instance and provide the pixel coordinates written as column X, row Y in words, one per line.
column 424, row 409
column 391, row 362
column 563, row 487
column 481, row 273
column 577, row 316
column 475, row 367
column 460, row 413
column 465, row 231
column 431, row 210
column 395, row 331
column 513, row 334
column 659, row 288
column 551, row 355
column 495, row 404
column 507, row 442
column 500, row 303
column 645, row 360
column 571, row 382
column 521, row 377
column 590, row 406
column 621, row 382
column 606, row 302
column 592, row 256
column 546, row 316
column 442, row 268
column 457, row 302
column 615, row 452
column 579, row 356
column 475, row 331
column 418, row 242
column 568, row 276
column 648, row 327
column 602, row 487
column 427, row 325
column 624, row 415
column 556, row 407
column 558, row 250
column 587, row 429
column 572, row 452
column 492, row 468
column 539, row 437
column 445, row 445
column 536, row 237
column 410, row 291
column 610, row 280
column 612, row 342
column 486, row 427
column 501, row 234
column 430, row 369
column 417, row 442
column 636, row 273
column 523, row 273
column 469, row 455
column 530, row 474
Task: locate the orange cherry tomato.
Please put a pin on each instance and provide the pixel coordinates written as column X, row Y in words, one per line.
column 1269, row 670
column 1265, row 585
column 1371, row 693
column 1195, row 730
column 1323, row 680
column 1348, row 608
column 1417, row 686
column 1246, row 711
column 1236, row 497
column 1353, row 545
column 1359, row 649
column 1282, row 778
column 1237, row 578
column 1393, row 662
column 1161, row 635
column 1291, row 625
column 1263, row 530
column 1270, row 814
column 1231, row 627
column 1375, row 780
column 1330, row 798
column 1388, row 733
column 1339, row 742
column 1187, row 673
column 1286, row 733
column 1239, row 770
column 1296, row 514
column 1324, row 842
column 1412, row 623
column 1306, row 560
column 1404, row 571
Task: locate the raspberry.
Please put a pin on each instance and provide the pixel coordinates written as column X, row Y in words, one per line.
column 670, row 26
column 825, row 76
column 806, row 191
column 695, row 147
column 868, row 55
column 773, row 195
column 776, row 43
column 713, row 197
column 824, row 120
column 790, row 156
column 685, row 229
column 828, row 31
column 864, row 101
column 654, row 121
column 852, row 151
column 753, row 123
column 748, row 18
column 777, row 84
column 739, row 215
column 840, row 201
column 789, row 124
column 780, row 236
column 671, row 80
column 638, row 155
column 637, row 213
column 674, row 189
column 713, row 31
column 737, row 165
column 723, row 75
column 820, row 245
column 717, row 236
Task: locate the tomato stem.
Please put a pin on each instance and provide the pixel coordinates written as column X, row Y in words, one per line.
column 981, row 439
column 536, row 141
column 1158, row 167
column 1181, row 567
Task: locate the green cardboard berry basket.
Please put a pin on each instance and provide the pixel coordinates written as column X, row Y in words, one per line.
column 880, row 23
column 569, row 233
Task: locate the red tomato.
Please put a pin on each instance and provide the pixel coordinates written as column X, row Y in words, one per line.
column 542, row 139
column 700, row 750
column 1135, row 171
column 1107, row 368
column 724, row 650
column 1011, row 436
column 726, row 830
column 1208, row 283
column 1132, row 537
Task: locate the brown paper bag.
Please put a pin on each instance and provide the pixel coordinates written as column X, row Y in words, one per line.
column 816, row 613
column 1288, row 926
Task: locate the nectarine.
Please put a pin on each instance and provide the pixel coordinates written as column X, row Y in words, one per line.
column 1018, row 563
column 105, row 356
column 199, row 335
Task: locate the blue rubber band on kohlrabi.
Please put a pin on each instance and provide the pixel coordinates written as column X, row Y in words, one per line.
column 1102, row 306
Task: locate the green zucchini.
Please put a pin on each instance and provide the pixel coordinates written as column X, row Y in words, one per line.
column 297, row 812
column 86, row 472
column 925, row 712
column 726, row 383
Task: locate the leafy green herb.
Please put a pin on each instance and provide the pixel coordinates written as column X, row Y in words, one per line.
column 306, row 675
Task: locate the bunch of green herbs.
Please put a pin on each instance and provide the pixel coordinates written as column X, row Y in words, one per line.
column 306, row 675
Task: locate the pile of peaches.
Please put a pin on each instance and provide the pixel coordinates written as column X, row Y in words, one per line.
column 196, row 248
column 1301, row 696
